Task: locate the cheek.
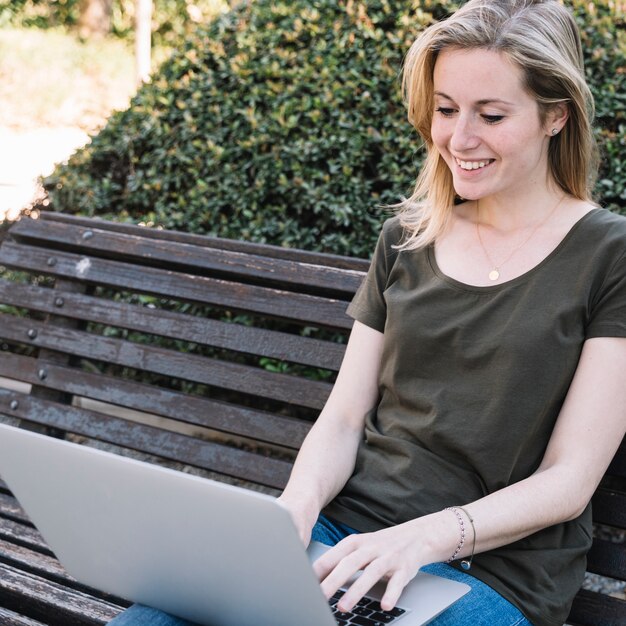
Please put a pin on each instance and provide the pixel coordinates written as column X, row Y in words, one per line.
column 526, row 146
column 527, row 135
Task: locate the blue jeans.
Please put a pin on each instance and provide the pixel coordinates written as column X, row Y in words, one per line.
column 482, row 606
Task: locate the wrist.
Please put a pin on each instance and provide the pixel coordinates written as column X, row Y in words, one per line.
column 441, row 536
column 467, row 535
column 303, row 510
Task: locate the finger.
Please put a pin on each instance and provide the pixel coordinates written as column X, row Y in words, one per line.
column 394, row 589
column 326, row 563
column 344, row 572
column 372, row 574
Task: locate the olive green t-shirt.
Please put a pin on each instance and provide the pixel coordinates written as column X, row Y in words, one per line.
column 472, row 380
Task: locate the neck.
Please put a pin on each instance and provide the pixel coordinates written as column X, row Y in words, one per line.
column 511, row 214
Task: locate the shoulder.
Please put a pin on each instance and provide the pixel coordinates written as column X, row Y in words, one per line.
column 391, row 236
column 386, row 252
column 607, row 222
column 392, row 229
column 605, row 231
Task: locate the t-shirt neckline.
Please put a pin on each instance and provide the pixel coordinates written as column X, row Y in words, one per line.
column 432, row 259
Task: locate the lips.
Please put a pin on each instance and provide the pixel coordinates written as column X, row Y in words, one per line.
column 473, row 165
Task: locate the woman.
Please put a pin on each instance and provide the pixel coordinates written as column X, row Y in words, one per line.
column 481, row 396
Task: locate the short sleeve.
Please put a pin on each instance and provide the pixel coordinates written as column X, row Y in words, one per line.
column 368, row 305
column 608, row 315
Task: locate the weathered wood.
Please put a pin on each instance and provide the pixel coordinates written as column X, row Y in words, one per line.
column 595, row 609
column 34, row 562
column 197, row 411
column 607, row 559
column 609, row 507
column 48, row 567
column 23, row 535
column 9, row 618
column 220, row 243
column 46, row 358
column 208, row 455
column 10, row 508
column 196, row 368
column 230, row 336
column 56, row 604
column 281, row 304
column 186, row 257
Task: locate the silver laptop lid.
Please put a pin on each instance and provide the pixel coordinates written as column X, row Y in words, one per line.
column 202, row 550
column 209, row 552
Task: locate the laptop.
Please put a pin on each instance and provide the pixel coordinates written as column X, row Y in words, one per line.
column 211, row 553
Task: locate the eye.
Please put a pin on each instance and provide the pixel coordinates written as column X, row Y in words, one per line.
column 446, row 112
column 493, row 119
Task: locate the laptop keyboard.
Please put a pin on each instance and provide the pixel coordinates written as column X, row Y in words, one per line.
column 367, row 612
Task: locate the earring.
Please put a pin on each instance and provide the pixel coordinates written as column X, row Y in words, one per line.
column 555, row 131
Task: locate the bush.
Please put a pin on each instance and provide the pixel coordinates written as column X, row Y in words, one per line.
column 282, row 122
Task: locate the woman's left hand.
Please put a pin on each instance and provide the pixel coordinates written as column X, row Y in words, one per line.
column 394, row 554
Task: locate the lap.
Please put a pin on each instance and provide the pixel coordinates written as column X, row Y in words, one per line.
column 139, row 615
column 481, row 606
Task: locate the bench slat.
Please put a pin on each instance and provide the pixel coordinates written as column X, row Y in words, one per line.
column 305, row 308
column 58, row 605
column 23, row 535
column 208, row 455
column 47, row 567
column 9, row 618
column 34, row 562
column 607, row 559
column 609, row 507
column 237, row 245
column 188, row 257
column 251, row 340
column 11, row 509
column 237, row 420
column 595, row 609
column 158, row 360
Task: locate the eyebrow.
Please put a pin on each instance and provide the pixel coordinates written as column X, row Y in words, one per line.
column 480, row 102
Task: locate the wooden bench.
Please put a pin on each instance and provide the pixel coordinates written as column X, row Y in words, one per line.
column 206, row 355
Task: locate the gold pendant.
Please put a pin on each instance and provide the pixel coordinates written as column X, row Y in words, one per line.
column 494, row 275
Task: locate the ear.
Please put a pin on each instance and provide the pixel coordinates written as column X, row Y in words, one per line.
column 556, row 118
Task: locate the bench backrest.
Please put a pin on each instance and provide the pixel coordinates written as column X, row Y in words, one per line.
column 212, row 353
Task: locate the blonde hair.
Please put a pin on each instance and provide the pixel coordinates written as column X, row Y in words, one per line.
column 541, row 38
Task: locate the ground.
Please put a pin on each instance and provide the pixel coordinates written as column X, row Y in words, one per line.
column 55, row 91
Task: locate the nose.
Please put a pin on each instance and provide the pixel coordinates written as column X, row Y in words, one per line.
column 464, row 134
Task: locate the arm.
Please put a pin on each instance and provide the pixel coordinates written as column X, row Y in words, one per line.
column 327, row 456
column 589, row 429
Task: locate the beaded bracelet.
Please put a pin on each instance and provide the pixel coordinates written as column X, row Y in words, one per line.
column 462, row 527
column 465, row 563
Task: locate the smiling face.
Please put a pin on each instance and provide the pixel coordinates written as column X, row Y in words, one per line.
column 486, row 126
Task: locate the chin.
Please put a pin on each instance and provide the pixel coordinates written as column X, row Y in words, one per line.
column 468, row 197
column 467, row 194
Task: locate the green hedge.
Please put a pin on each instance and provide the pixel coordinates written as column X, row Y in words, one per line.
column 282, row 122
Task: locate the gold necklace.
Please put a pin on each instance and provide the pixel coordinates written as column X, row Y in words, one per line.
column 494, row 273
